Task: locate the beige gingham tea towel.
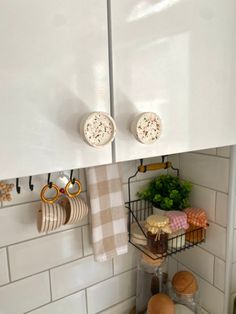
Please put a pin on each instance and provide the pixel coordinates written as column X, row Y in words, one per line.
column 108, row 217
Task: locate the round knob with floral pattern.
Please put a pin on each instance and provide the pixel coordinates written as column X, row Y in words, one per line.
column 146, row 127
column 98, row 129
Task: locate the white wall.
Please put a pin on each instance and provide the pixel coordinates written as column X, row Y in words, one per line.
column 56, row 273
column 208, row 170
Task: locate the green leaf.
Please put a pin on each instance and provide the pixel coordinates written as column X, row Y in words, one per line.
column 167, row 192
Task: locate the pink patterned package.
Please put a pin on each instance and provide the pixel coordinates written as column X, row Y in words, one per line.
column 178, row 220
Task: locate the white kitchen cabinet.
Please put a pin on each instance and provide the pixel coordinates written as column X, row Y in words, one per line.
column 174, row 58
column 53, row 71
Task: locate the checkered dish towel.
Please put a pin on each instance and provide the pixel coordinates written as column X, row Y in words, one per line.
column 108, row 217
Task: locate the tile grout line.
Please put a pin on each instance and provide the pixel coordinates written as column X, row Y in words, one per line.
column 113, row 267
column 54, row 301
column 28, row 202
column 214, row 270
column 207, row 155
column 23, row 278
column 97, row 283
column 20, row 204
column 67, row 263
column 86, row 300
column 209, row 252
column 42, row 236
column 204, row 186
column 50, row 284
column 215, row 199
column 8, row 265
column 45, row 270
column 205, row 250
column 110, row 307
column 82, row 241
column 204, row 279
column 37, row 308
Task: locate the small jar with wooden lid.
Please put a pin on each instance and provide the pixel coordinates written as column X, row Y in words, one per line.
column 157, row 233
column 197, row 220
column 185, row 293
column 151, row 279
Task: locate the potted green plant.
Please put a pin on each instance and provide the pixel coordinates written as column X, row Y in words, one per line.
column 167, row 192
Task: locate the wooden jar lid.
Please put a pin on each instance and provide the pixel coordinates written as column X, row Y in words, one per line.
column 161, row 303
column 184, row 283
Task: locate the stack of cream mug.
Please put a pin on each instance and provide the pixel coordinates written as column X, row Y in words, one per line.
column 62, row 209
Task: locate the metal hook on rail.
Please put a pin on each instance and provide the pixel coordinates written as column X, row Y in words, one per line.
column 49, row 181
column 31, row 186
column 18, row 188
column 71, row 177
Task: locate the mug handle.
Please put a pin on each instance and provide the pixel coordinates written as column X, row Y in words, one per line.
column 69, row 184
column 54, row 198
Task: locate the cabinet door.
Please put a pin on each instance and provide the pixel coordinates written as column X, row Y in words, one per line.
column 174, row 58
column 53, row 71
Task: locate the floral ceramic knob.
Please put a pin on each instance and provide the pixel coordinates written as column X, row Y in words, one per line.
column 98, row 129
column 146, row 128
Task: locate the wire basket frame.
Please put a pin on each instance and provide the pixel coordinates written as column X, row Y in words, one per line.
column 139, row 210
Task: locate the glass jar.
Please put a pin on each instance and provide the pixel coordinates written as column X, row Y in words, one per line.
column 157, row 243
column 194, row 234
column 151, row 279
column 186, row 304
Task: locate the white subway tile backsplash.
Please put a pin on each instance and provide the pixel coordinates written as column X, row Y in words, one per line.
column 25, row 295
column 212, row 299
column 234, row 250
column 172, row 267
column 223, row 151
column 210, row 151
column 4, row 275
column 80, row 174
column 208, row 171
column 110, row 286
column 232, row 299
column 127, row 169
column 215, row 240
column 87, row 244
column 199, row 261
column 18, row 223
column 219, row 274
column 204, row 198
column 121, row 308
column 126, row 261
column 78, row 275
column 221, row 208
column 233, row 288
column 73, row 304
column 40, row 254
column 235, row 212
column 111, row 291
column 135, row 187
column 174, row 159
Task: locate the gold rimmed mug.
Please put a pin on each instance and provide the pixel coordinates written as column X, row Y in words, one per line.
column 50, row 217
column 75, row 207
